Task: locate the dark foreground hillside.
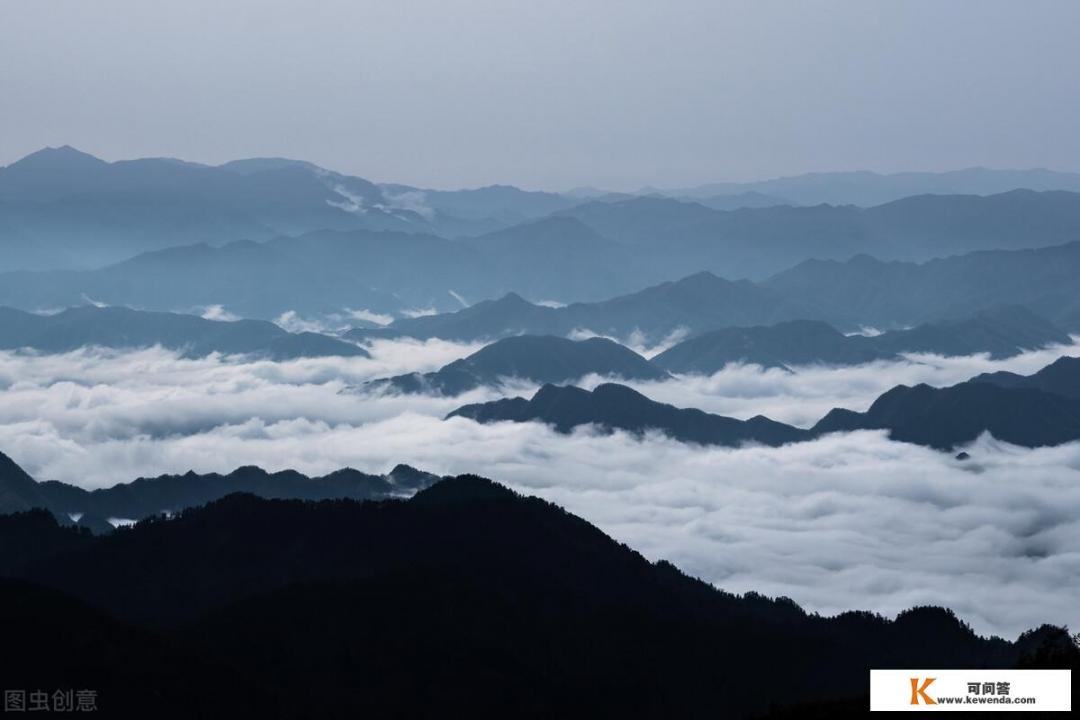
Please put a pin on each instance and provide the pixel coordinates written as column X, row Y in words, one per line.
column 467, row 600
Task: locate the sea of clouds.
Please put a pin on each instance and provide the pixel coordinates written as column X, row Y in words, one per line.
column 847, row 521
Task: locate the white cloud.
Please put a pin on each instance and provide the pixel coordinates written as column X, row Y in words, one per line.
column 218, row 312
column 290, row 320
column 848, row 521
column 419, row 312
column 637, row 341
column 369, row 316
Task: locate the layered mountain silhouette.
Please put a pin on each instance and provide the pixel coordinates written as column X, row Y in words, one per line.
column 869, row 188
column 465, row 583
column 999, row 332
column 62, row 208
column 148, row 497
column 18, row 491
column 616, row 407
column 943, row 418
column 691, row 305
column 1031, row 411
column 529, row 358
column 866, row 291
column 266, row 236
column 1035, row 411
column 1061, row 377
column 677, row 238
column 124, row 328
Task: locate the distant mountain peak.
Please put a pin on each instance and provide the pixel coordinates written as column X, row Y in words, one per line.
column 463, row 488
column 54, row 157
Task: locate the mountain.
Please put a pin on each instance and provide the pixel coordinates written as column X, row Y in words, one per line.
column 319, row 274
column 866, row 291
column 60, row 208
column 564, row 258
column 943, row 418
column 119, row 327
column 1036, row 411
column 465, row 586
column 999, row 332
column 326, row 274
column 675, row 238
column 488, row 319
column 479, row 210
column 18, row 491
column 148, row 497
column 870, row 188
column 796, row 342
column 617, row 407
column 1061, row 377
column 749, row 199
column 531, row 358
column 691, row 305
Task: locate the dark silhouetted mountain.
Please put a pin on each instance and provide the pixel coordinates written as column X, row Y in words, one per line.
column 466, row 583
column 118, row 327
column 1061, row 377
column 18, row 491
column 1032, row 411
column 869, row 188
column 1000, row 332
column 691, row 305
column 940, row 418
column 616, row 407
column 531, row 358
column 865, row 291
column 147, row 497
column 943, row 418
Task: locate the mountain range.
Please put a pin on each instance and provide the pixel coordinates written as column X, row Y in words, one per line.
column 889, row 294
column 999, row 332
column 962, row 314
column 1033, row 411
column 869, row 188
column 529, row 358
column 266, row 236
column 611, row 406
column 674, row 238
column 124, row 328
column 64, row 209
column 691, row 305
column 97, row 510
column 467, row 599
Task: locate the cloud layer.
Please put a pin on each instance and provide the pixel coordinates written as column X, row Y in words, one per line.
column 848, row 521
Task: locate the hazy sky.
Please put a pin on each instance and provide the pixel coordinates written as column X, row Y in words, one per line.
column 544, row 93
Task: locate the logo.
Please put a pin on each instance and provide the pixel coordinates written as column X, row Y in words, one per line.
column 924, row 690
column 918, row 691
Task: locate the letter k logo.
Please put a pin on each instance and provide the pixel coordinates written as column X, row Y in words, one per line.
column 917, row 691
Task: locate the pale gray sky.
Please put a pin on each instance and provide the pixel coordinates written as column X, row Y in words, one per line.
column 549, row 93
